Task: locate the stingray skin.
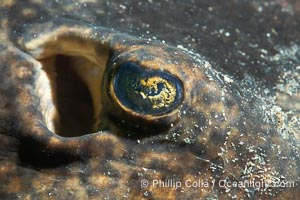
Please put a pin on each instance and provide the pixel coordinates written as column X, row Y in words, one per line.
column 64, row 135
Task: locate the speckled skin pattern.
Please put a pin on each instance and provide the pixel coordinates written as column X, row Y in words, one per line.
column 239, row 120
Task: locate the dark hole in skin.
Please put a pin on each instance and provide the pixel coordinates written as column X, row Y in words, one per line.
column 74, row 102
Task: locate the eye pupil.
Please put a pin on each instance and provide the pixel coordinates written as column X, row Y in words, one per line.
column 146, row 91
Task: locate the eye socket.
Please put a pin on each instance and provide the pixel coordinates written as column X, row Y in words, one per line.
column 145, row 91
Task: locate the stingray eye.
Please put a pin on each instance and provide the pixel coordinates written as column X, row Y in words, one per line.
column 140, row 101
column 145, row 91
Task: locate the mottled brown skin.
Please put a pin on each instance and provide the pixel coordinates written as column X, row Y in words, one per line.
column 216, row 133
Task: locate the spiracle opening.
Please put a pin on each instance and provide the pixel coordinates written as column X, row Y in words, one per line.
column 68, row 83
column 71, row 94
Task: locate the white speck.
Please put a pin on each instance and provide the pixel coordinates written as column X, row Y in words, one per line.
column 227, row 79
column 264, row 51
column 237, row 30
column 222, row 149
column 122, row 6
column 227, row 34
column 274, row 31
column 146, row 194
column 145, row 169
column 181, row 47
column 187, row 140
column 207, row 64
